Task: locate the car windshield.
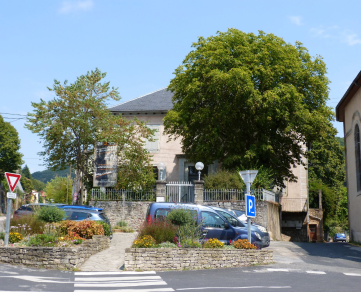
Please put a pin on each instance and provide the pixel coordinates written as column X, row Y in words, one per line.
column 238, row 212
column 233, row 221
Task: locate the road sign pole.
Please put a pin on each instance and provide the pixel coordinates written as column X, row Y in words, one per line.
column 7, row 227
column 248, row 185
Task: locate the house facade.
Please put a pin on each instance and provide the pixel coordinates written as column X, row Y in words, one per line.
column 153, row 107
column 348, row 111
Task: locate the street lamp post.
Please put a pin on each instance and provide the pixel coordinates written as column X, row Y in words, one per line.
column 161, row 167
column 199, row 167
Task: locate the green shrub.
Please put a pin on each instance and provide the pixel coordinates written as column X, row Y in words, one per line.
column 122, row 224
column 2, row 235
column 181, row 216
column 166, row 245
column 27, row 225
column 51, row 214
column 223, row 179
column 126, row 229
column 42, row 240
column 106, row 227
column 188, row 243
column 161, row 231
column 190, row 232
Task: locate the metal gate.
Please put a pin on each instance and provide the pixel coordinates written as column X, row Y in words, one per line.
column 180, row 192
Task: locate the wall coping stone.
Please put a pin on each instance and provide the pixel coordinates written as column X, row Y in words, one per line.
column 160, row 259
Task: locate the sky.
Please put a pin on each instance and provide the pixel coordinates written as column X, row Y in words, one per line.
column 139, row 43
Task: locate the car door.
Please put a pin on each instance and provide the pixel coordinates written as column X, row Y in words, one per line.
column 214, row 226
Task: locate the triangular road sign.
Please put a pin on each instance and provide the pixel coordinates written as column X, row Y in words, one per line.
column 13, row 179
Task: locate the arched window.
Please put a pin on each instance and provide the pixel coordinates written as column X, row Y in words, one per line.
column 357, row 157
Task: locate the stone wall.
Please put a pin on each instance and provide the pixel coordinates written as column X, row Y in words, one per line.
column 132, row 212
column 54, row 257
column 158, row 259
column 267, row 214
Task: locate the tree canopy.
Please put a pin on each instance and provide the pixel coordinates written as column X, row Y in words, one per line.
column 77, row 118
column 246, row 99
column 10, row 157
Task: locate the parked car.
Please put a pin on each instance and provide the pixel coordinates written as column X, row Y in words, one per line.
column 241, row 215
column 213, row 224
column 28, row 209
column 339, row 237
column 234, row 221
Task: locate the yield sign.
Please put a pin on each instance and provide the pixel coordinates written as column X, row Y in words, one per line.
column 13, row 179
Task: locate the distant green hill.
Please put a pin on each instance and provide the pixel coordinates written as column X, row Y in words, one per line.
column 48, row 175
column 341, row 141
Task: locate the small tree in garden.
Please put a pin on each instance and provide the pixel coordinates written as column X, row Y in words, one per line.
column 51, row 214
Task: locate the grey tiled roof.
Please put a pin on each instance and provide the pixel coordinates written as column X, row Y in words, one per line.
column 157, row 101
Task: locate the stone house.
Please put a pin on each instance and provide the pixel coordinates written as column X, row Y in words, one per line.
column 153, row 107
column 348, row 111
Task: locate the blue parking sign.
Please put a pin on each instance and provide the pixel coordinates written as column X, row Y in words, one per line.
column 250, row 206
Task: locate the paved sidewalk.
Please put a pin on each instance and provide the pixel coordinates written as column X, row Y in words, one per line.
column 112, row 258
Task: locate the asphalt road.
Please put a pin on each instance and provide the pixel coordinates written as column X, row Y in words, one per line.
column 298, row 267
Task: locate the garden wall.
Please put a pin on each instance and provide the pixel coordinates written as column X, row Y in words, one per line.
column 132, row 212
column 159, row 259
column 54, row 257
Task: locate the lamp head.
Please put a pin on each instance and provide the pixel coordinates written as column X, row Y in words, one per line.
column 199, row 165
column 161, row 166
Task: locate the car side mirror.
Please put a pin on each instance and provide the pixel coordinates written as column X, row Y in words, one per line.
column 226, row 225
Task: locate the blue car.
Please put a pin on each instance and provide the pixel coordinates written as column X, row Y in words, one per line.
column 339, row 237
column 213, row 224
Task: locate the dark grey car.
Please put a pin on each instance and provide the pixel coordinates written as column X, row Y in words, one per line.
column 262, row 231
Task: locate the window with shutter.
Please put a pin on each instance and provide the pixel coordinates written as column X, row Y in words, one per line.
column 153, row 146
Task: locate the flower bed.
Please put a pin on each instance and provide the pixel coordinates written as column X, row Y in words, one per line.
column 54, row 257
column 160, row 259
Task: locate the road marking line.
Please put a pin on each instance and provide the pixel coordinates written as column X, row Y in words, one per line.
column 227, row 288
column 111, row 273
column 120, row 284
column 128, row 290
column 316, row 272
column 277, row 270
column 352, row 274
column 115, row 279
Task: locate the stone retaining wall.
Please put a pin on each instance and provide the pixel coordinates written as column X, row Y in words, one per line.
column 160, row 259
column 131, row 212
column 54, row 257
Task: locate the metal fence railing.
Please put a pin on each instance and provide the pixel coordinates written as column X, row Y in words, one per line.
column 237, row 195
column 126, row 195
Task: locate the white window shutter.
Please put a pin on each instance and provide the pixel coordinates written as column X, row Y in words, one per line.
column 153, row 146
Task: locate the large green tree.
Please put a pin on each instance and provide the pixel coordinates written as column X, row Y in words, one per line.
column 249, row 100
column 10, row 157
column 77, row 118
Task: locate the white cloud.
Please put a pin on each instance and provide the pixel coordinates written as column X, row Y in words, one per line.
column 351, row 39
column 296, row 20
column 75, row 6
column 335, row 32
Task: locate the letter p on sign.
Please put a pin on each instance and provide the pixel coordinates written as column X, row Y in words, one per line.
column 250, row 206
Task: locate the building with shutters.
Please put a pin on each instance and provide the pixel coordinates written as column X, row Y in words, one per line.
column 153, row 107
